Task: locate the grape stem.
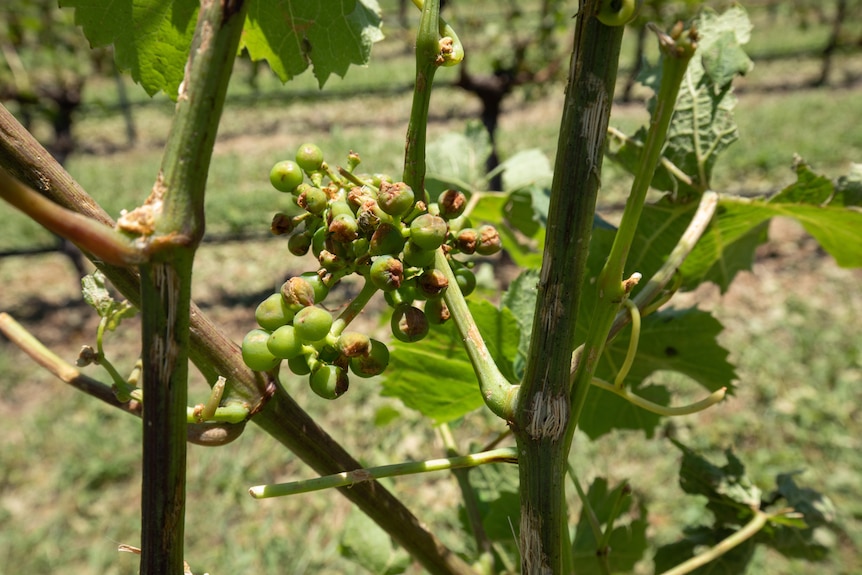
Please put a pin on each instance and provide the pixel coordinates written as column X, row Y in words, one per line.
column 351, row 478
column 701, row 405
column 499, row 395
column 353, row 309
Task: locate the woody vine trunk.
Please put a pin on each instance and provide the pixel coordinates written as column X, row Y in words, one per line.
column 543, row 415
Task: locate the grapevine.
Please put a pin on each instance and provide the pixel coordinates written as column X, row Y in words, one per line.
column 371, row 226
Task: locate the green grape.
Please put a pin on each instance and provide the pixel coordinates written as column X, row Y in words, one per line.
column 339, row 207
column 299, row 243
column 285, row 176
column 432, row 283
column 255, row 353
column 283, row 343
column 298, row 293
column 312, row 323
column 299, row 365
column 395, row 199
column 353, row 343
column 273, row 312
column 452, row 204
column 373, row 363
column 466, row 241
column 466, row 280
column 408, row 323
column 344, row 228
column 386, row 272
column 318, row 241
column 436, row 311
column 428, row 231
column 387, row 239
column 378, row 179
column 329, row 381
column 416, row 256
column 313, row 199
column 489, row 241
column 309, row 157
column 318, row 286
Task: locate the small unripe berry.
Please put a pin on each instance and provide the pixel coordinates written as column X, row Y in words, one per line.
column 283, row 342
column 353, row 343
column 416, row 256
column 313, row 199
column 299, row 365
column 395, row 199
column 298, row 243
column 281, row 224
column 428, row 231
column 344, row 228
column 373, row 363
column 467, row 240
column 318, row 241
column 408, row 323
column 386, row 272
column 297, row 293
column 432, row 283
column 273, row 312
column 318, row 286
column 436, row 311
column 387, row 239
column 489, row 241
column 309, row 157
column 458, row 224
column 466, row 280
column 285, row 176
column 329, row 381
column 255, row 353
column 312, row 323
column 452, row 204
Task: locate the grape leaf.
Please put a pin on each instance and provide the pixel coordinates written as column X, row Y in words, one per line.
column 95, row 292
column 826, row 211
column 457, row 160
column 628, row 541
column 329, row 35
column 436, row 377
column 520, row 298
column 366, row 544
column 703, row 124
column 151, row 38
column 496, row 488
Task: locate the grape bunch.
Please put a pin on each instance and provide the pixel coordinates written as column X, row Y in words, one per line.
column 368, row 225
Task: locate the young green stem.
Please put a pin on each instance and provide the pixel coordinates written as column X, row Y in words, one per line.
column 500, row 395
column 611, row 288
column 351, row 478
column 663, row 410
column 468, row 494
column 542, row 418
column 354, row 308
column 427, row 51
column 748, row 531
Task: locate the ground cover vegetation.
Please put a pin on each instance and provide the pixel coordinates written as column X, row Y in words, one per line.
column 363, row 240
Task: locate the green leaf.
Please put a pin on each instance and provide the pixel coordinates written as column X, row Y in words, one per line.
column 703, row 124
column 329, row 35
column 696, row 540
column 731, row 495
column 628, row 538
column 95, row 292
column 809, row 537
column 457, row 160
column 151, row 38
column 525, row 169
column 521, row 300
column 366, row 544
column 436, row 378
